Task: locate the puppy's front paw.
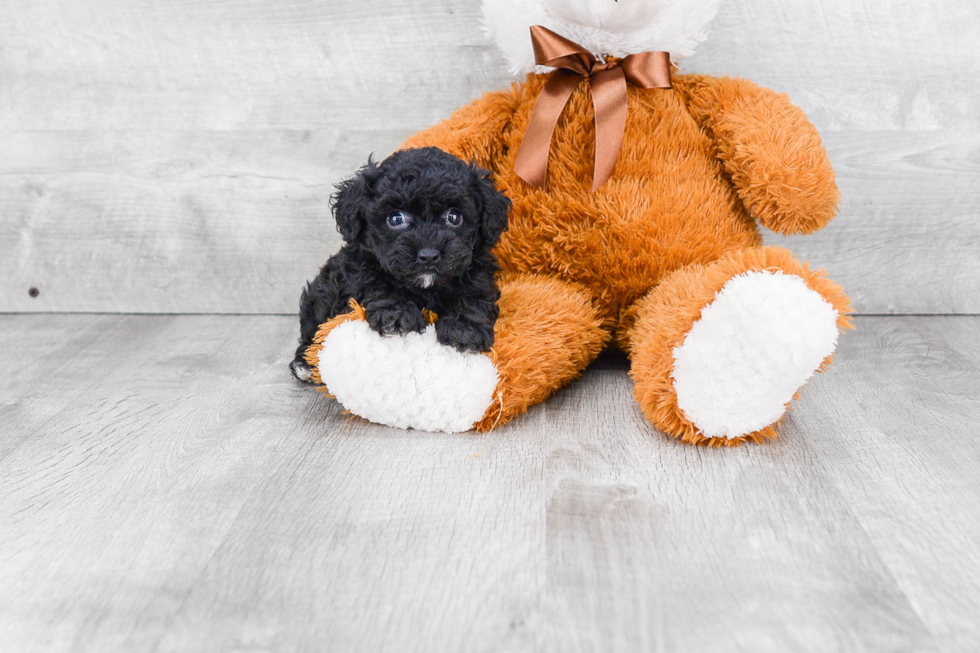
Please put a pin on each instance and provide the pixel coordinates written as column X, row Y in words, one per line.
column 301, row 370
column 395, row 319
column 464, row 335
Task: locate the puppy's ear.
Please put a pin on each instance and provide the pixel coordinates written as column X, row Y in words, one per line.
column 494, row 207
column 351, row 200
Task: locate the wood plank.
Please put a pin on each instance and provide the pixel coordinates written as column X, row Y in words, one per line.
column 899, row 442
column 114, row 65
column 129, row 462
column 178, row 157
column 243, row 64
column 170, row 221
column 856, row 65
column 162, row 491
column 236, row 222
column 907, row 239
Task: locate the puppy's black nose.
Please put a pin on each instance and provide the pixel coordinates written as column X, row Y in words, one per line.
column 429, row 255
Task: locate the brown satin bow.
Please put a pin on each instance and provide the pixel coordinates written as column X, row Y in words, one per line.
column 608, row 83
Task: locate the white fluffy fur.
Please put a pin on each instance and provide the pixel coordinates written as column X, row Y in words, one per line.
column 755, row 345
column 406, row 381
column 604, row 27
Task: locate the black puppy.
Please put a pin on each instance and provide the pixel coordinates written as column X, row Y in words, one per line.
column 419, row 230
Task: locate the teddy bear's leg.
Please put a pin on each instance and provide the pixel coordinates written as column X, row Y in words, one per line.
column 718, row 351
column 547, row 333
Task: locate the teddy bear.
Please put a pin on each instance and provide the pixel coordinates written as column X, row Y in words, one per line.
column 637, row 197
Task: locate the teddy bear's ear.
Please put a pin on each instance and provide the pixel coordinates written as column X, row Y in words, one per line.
column 350, row 201
column 493, row 205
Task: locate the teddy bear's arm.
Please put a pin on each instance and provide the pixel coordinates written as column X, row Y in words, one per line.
column 475, row 132
column 770, row 150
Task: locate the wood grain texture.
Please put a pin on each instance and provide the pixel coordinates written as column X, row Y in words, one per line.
column 168, row 487
column 198, row 143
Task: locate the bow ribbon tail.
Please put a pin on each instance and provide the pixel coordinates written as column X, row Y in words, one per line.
column 608, row 82
column 531, row 164
column 609, row 99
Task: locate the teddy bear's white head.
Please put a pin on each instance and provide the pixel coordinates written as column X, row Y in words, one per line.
column 616, row 28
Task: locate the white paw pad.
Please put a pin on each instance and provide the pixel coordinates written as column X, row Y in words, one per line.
column 755, row 345
column 406, row 381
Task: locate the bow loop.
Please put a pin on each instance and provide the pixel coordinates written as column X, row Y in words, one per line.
column 608, row 81
column 555, row 51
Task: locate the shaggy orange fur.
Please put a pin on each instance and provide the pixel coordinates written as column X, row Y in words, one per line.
column 700, row 163
column 547, row 333
column 695, row 160
column 637, row 261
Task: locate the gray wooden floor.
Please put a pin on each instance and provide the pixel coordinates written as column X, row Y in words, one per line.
column 165, row 486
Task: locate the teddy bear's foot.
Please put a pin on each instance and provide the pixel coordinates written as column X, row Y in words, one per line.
column 408, row 381
column 761, row 339
column 547, row 333
column 719, row 351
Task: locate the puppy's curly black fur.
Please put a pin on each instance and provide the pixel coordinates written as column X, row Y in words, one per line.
column 419, row 231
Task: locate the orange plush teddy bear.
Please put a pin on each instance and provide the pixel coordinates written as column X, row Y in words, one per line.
column 636, row 195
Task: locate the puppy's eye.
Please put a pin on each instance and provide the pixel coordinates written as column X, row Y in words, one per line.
column 398, row 220
column 454, row 218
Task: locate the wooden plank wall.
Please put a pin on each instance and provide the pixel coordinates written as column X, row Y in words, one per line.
column 178, row 157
